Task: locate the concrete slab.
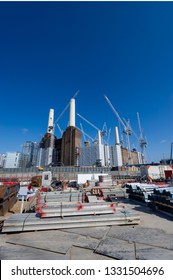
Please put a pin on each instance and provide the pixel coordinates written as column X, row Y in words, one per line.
column 87, row 242
column 93, row 232
column 53, row 241
column 150, row 218
column 146, row 252
column 155, row 229
column 150, row 236
column 17, row 252
column 77, row 253
column 116, row 248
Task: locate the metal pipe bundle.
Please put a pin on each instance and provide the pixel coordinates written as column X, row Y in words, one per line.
column 162, row 199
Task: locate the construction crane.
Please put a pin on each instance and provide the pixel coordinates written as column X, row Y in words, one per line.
column 127, row 122
column 60, row 130
column 142, row 142
column 88, row 122
column 85, row 134
column 140, row 139
column 127, row 129
column 52, row 138
column 102, row 133
column 108, row 136
column 104, row 129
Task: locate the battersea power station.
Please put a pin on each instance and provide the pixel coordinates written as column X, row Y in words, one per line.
column 70, row 151
column 61, row 151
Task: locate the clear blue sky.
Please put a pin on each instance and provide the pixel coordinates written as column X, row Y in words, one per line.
column 49, row 50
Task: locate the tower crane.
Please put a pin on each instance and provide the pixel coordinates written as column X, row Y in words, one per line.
column 127, row 129
column 88, row 122
column 127, row 122
column 104, row 129
column 50, row 156
column 61, row 131
column 142, row 142
column 85, row 134
column 109, row 133
column 102, row 133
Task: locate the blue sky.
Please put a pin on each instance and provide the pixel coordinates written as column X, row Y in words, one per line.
column 49, row 50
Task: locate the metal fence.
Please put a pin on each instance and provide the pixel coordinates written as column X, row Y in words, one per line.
column 64, row 172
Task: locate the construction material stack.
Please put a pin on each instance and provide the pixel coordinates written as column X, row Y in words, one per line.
column 69, row 209
column 162, row 199
column 140, row 191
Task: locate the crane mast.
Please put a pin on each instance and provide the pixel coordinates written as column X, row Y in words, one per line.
column 126, row 127
column 88, row 122
column 85, row 134
column 142, row 141
column 100, row 133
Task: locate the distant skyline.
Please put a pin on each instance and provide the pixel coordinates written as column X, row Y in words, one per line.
column 50, row 50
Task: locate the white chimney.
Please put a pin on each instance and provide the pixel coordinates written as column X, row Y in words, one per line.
column 117, row 140
column 72, row 112
column 119, row 161
column 99, row 138
column 50, row 121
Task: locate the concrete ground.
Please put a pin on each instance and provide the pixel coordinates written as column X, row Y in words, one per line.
column 152, row 239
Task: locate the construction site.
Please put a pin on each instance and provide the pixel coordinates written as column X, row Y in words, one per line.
column 87, row 200
column 101, row 219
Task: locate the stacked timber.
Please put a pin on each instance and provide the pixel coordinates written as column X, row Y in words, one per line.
column 8, row 197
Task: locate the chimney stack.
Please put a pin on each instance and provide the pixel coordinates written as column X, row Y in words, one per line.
column 118, row 148
column 50, row 121
column 117, row 140
column 72, row 112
